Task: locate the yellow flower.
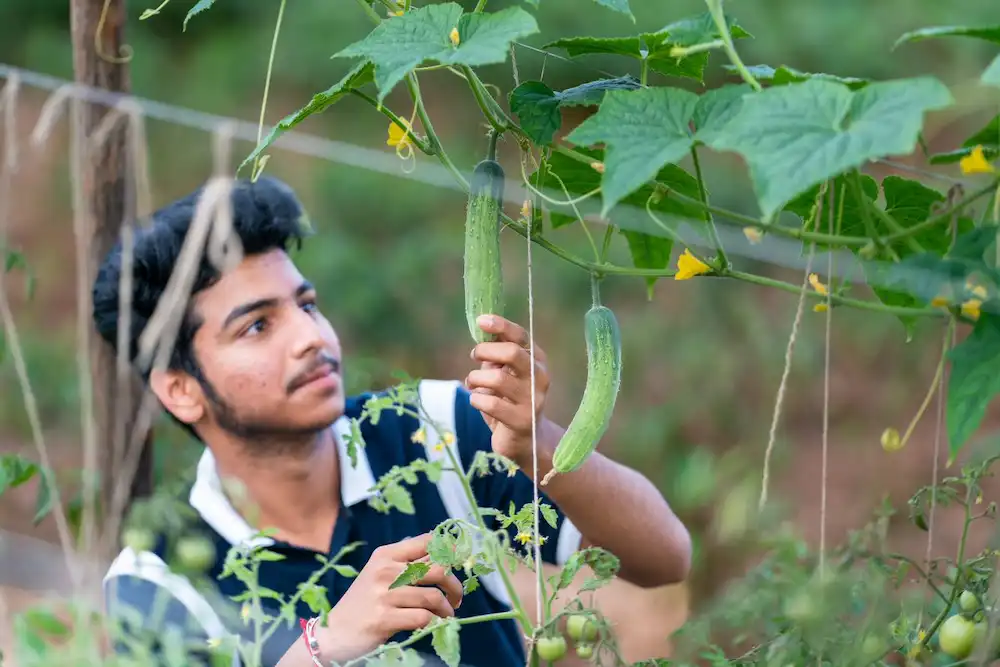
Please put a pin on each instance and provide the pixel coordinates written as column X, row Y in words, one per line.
column 689, row 266
column 971, row 308
column 939, row 302
column 975, row 163
column 753, row 234
column 978, row 290
column 448, row 438
column 523, row 538
column 419, row 436
column 597, row 166
column 453, row 36
column 821, row 289
column 245, row 612
column 399, row 137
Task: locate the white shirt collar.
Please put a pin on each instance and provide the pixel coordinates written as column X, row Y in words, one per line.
column 209, row 500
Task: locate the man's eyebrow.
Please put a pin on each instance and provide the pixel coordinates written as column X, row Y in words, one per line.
column 247, row 308
column 270, row 302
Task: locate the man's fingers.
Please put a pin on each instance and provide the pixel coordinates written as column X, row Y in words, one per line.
column 409, row 618
column 510, row 355
column 421, row 597
column 502, row 410
column 410, row 549
column 498, row 382
column 449, row 582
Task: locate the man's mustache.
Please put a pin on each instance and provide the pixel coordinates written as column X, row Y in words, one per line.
column 321, row 360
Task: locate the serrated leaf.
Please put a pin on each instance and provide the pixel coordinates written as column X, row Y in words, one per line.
column 620, row 6
column 345, row 571
column 988, row 33
column 784, row 75
column 988, row 138
column 973, row 382
column 412, row 574
column 655, row 47
column 794, row 137
column 361, row 74
column 400, row 44
column 446, row 644
column 991, row 77
column 537, row 106
column 199, row 7
column 643, row 130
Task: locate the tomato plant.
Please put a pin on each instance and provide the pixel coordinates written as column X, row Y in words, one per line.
column 631, row 173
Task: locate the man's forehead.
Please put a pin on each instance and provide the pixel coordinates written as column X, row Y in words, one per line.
column 264, row 276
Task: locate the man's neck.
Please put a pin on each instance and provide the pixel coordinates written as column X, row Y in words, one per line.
column 296, row 494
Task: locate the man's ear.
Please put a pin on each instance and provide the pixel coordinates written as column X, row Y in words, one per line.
column 179, row 393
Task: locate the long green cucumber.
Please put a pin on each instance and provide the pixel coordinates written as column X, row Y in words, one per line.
column 483, row 275
column 604, row 369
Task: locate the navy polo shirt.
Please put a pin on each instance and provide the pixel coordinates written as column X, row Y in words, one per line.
column 179, row 611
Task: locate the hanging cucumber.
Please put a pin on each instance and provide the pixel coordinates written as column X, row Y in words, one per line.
column 604, row 367
column 483, row 270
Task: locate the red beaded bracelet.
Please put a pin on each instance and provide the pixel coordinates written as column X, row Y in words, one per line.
column 310, row 639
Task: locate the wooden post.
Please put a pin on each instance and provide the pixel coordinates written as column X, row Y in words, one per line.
column 104, row 184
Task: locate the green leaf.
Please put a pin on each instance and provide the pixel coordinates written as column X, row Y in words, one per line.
column 15, row 470
column 852, row 220
column 199, row 7
column 910, row 203
column 360, row 75
column 794, row 137
column 643, row 130
column 537, row 106
column 412, row 574
column 446, row 642
column 988, row 33
column 973, row 382
column 45, row 622
column 400, row 44
column 716, row 108
column 618, row 6
column 269, row 556
column 649, row 244
column 346, row 571
column 988, row 138
column 784, row 75
column 991, row 77
column 43, row 501
column 655, row 47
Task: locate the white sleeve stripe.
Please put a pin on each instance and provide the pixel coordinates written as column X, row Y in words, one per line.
column 569, row 541
column 438, row 399
column 148, row 566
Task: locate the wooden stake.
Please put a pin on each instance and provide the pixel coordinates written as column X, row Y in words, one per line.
column 99, row 60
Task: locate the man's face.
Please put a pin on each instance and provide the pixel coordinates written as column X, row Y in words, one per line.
column 271, row 359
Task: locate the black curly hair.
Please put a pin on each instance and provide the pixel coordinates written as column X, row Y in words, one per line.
column 267, row 215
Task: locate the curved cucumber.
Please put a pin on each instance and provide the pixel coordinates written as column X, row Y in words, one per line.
column 604, row 367
column 483, row 271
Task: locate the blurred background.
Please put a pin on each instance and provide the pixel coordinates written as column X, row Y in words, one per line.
column 702, row 359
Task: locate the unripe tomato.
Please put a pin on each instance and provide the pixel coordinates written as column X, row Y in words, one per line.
column 872, row 648
column 957, row 636
column 585, row 651
column 551, row 649
column 581, row 628
column 138, row 539
column 968, row 602
column 195, row 553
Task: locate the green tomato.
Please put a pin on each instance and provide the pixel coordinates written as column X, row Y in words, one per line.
column 957, row 636
column 968, row 602
column 582, row 628
column 551, row 649
column 138, row 539
column 872, row 648
column 585, row 651
column 195, row 553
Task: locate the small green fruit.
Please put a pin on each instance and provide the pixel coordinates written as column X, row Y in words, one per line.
column 581, row 628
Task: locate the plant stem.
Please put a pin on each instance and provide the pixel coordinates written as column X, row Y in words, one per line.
column 508, row 584
column 267, row 86
column 595, row 290
column 480, row 93
column 367, row 9
column 432, row 137
column 424, row 146
column 722, row 262
column 957, row 586
column 719, row 17
column 607, row 242
column 480, row 6
column 934, row 383
column 943, row 216
column 420, row 634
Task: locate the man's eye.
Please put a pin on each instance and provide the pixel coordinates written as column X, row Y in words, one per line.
column 310, row 307
column 255, row 328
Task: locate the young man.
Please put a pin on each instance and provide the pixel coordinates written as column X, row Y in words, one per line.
column 256, row 376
